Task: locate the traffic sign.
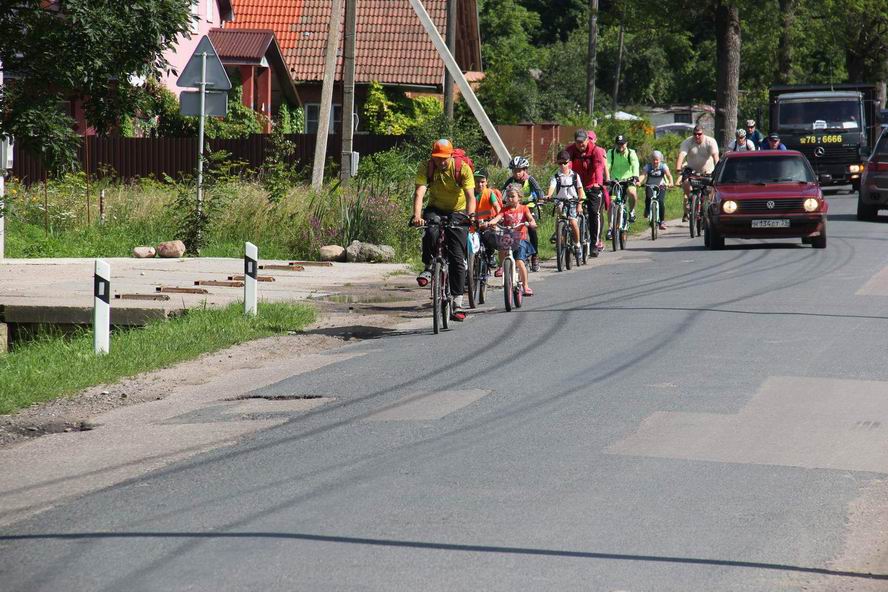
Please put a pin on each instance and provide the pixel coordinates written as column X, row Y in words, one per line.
column 216, row 77
column 216, row 103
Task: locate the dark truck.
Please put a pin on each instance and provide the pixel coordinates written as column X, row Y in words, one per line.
column 834, row 126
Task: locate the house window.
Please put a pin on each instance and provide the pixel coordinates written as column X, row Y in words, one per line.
column 195, row 16
column 313, row 116
column 210, row 10
column 686, row 117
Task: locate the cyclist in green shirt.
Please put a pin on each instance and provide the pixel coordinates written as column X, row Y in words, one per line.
column 623, row 164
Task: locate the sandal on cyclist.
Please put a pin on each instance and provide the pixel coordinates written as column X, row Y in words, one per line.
column 458, row 315
column 424, row 278
column 498, row 272
column 528, row 291
column 661, row 226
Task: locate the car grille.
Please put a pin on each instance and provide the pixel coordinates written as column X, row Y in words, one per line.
column 761, row 205
column 833, row 154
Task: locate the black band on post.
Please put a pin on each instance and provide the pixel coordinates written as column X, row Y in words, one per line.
column 102, row 289
column 251, row 267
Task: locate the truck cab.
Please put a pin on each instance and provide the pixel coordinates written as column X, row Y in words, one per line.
column 833, row 126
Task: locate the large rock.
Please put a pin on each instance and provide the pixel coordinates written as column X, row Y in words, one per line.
column 358, row 252
column 332, row 253
column 353, row 252
column 377, row 253
column 144, row 252
column 171, row 249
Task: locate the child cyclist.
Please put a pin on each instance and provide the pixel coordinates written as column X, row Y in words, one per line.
column 656, row 177
column 489, row 202
column 514, row 212
column 566, row 184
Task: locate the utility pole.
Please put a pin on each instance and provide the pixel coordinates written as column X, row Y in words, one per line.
column 619, row 56
column 451, row 45
column 317, row 174
column 348, row 90
column 590, row 65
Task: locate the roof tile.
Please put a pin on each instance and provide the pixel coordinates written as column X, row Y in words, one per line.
column 391, row 47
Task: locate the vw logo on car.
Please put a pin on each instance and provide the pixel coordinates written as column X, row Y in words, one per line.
column 770, row 204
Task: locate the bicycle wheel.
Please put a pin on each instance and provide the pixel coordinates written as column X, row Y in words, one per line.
column 693, row 223
column 700, row 217
column 581, row 222
column 471, row 264
column 445, row 299
column 481, row 280
column 655, row 216
column 565, row 240
column 508, row 282
column 518, row 299
column 624, row 235
column 436, row 297
column 616, row 223
column 559, row 246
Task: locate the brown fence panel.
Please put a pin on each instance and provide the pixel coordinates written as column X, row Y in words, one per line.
column 131, row 158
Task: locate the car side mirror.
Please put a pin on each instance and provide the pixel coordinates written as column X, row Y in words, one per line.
column 864, row 152
column 824, row 178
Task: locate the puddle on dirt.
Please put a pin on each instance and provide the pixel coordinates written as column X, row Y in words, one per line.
column 371, row 298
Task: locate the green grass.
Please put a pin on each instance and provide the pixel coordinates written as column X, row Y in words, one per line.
column 53, row 366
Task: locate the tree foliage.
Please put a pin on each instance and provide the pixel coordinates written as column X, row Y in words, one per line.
column 534, row 52
column 57, row 51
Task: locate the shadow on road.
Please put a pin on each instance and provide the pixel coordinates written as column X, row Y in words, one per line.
column 74, row 536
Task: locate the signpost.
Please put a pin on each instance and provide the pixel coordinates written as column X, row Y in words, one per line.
column 203, row 70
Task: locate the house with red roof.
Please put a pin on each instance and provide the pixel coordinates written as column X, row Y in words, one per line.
column 391, row 47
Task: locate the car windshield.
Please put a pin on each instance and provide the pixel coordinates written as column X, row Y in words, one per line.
column 820, row 114
column 766, row 169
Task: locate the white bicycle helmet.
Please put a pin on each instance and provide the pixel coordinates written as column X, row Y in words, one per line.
column 519, row 162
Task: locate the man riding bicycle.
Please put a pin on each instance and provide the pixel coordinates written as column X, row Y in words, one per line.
column 531, row 189
column 622, row 162
column 701, row 154
column 450, row 185
column 568, row 185
column 590, row 163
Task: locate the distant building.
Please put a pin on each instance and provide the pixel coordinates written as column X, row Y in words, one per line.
column 691, row 114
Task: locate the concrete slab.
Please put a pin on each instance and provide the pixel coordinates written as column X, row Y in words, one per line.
column 61, row 290
column 813, row 423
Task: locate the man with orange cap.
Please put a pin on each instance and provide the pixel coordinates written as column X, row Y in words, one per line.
column 450, row 185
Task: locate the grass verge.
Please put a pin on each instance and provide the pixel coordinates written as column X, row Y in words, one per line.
column 52, row 367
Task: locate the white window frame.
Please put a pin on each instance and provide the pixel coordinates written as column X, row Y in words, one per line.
column 210, row 10
column 195, row 16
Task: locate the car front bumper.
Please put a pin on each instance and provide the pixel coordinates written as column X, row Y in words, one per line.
column 740, row 225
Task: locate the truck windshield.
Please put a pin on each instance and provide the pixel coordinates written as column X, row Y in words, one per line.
column 766, row 169
column 820, row 114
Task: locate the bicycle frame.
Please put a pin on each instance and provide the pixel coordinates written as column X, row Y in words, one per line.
column 440, row 284
column 565, row 249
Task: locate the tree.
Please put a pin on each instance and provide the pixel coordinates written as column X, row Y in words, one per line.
column 727, row 39
column 55, row 51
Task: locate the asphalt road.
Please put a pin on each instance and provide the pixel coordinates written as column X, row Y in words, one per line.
column 681, row 420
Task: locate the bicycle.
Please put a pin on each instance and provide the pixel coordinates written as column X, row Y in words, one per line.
column 620, row 212
column 565, row 245
column 591, row 194
column 654, row 209
column 696, row 200
column 513, row 289
column 478, row 273
column 440, row 284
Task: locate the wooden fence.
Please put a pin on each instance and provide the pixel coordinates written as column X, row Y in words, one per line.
column 131, row 158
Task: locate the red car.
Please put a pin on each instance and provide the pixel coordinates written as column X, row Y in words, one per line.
column 765, row 194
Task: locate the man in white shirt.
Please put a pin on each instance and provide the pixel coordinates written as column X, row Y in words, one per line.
column 700, row 153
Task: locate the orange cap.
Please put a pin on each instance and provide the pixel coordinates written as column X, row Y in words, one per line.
column 442, row 148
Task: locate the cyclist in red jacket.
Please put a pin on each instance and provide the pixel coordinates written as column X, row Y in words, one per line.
column 590, row 163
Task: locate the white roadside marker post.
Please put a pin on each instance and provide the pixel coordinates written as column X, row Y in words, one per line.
column 251, row 273
column 102, row 307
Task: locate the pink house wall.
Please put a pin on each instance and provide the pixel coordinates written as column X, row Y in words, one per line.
column 179, row 55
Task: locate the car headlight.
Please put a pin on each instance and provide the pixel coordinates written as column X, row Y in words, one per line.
column 811, row 205
column 729, row 206
column 855, row 168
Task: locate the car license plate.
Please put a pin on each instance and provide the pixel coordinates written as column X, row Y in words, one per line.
column 770, row 223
